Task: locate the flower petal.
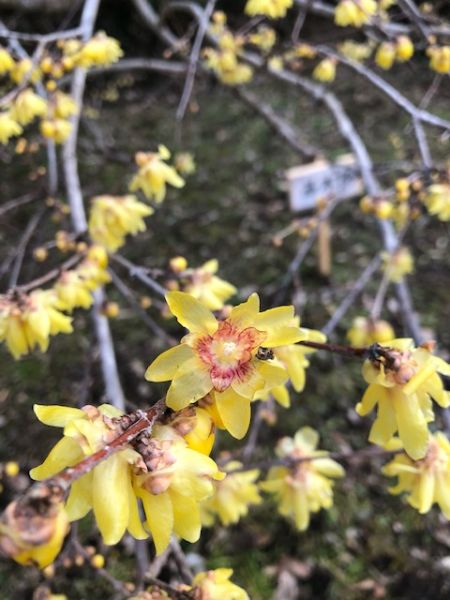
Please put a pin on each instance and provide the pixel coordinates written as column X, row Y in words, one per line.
column 188, row 388
column 235, row 412
column 79, row 502
column 412, row 426
column 57, row 416
column 159, row 514
column 385, row 424
column 191, row 313
column 186, row 514
column 64, row 453
column 165, row 366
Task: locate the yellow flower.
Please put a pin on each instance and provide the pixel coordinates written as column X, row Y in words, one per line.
column 184, row 163
column 355, row 51
column 365, row 332
column 6, row 61
column 101, row 50
column 404, row 48
column 21, row 71
column 57, row 130
column 354, row 12
column 274, row 9
column 113, row 217
column 107, row 489
column 264, row 38
column 232, row 496
column 216, row 585
column 63, row 106
column 154, row 174
column 34, row 537
column 225, row 63
column 385, row 55
column 439, row 58
column 425, row 481
column 205, row 286
column 223, row 356
column 197, row 427
column 74, row 287
column 398, row 264
column 325, row 70
column 403, row 382
column 27, row 321
column 306, row 487
column 27, row 106
column 9, row 127
column 437, row 200
column 179, row 478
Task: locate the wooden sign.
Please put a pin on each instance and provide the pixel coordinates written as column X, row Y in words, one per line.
column 309, row 183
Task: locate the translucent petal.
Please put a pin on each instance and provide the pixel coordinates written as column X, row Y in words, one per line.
column 191, row 313
column 235, row 412
column 110, row 498
column 187, row 523
column 64, row 453
column 57, row 416
column 369, row 400
column 159, row 515
column 165, row 366
column 426, row 491
column 385, row 424
column 188, row 388
column 307, row 438
column 79, row 502
column 412, row 425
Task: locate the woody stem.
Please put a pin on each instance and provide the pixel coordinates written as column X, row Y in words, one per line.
column 337, row 349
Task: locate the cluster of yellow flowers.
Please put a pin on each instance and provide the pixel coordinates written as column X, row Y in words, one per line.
column 154, row 174
column 306, row 485
column 325, row 70
column 388, row 52
column 439, row 58
column 437, row 200
column 112, row 218
column 228, row 361
column 202, row 282
column 29, row 320
column 403, row 380
column 274, row 9
column 354, row 12
column 397, row 264
column 54, row 112
column 163, row 472
column 365, row 332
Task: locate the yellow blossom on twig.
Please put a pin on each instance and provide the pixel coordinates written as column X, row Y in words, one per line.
column 154, row 173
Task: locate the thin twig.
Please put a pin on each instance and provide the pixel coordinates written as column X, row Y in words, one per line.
column 22, row 246
column 140, row 273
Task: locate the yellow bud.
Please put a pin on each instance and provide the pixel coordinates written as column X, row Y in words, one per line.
column 98, row 561
column 68, row 63
column 178, row 264
column 49, row 571
column 40, row 254
column 57, row 71
column 81, row 247
column 111, row 310
column 402, row 189
column 46, row 65
column 146, row 302
column 366, row 204
column 385, row 55
column 172, row 285
column 21, row 145
column 79, row 560
column 404, row 48
column 12, row 468
column 383, row 209
column 51, row 85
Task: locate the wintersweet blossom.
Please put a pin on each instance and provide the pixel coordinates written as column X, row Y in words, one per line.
column 6, row 61
column 57, row 130
column 325, row 70
column 232, row 496
column 397, row 264
column 274, row 9
column 178, row 479
column 216, row 585
column 154, row 173
column 27, row 106
column 107, row 488
column 307, row 486
column 385, row 55
column 28, row 321
column 197, row 427
column 24, row 70
column 225, row 62
column 404, row 48
column 9, row 127
column 365, row 332
column 100, row 50
column 202, row 283
column 437, row 201
column 34, row 538
column 354, row 12
column 113, row 217
column 439, row 58
column 426, row 481
column 403, row 381
column 63, row 106
column 222, row 356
